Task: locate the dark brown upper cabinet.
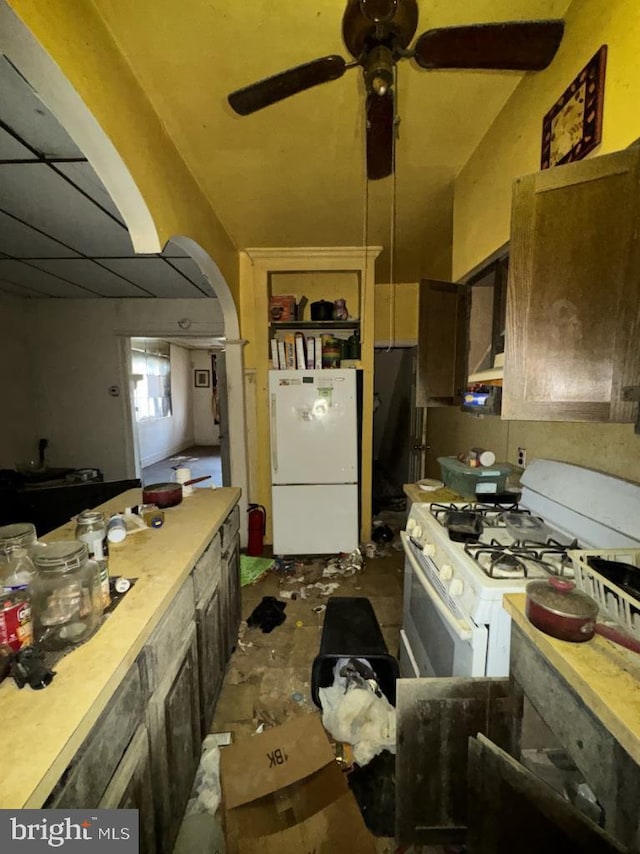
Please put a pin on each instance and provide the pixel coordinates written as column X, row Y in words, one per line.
column 573, row 301
column 442, row 342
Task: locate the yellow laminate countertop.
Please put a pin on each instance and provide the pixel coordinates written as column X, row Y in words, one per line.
column 603, row 674
column 421, row 496
column 42, row 730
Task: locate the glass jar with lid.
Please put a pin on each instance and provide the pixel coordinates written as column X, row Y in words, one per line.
column 17, row 542
column 91, row 528
column 66, row 597
column 22, row 534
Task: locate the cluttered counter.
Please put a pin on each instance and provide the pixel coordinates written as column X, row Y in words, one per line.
column 43, row 730
column 588, row 694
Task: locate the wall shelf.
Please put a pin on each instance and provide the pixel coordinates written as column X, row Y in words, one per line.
column 315, row 324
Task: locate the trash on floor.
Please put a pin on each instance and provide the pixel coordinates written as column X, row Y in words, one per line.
column 344, row 565
column 284, row 792
column 267, row 614
column 307, row 583
column 355, row 710
column 252, row 569
column 201, row 829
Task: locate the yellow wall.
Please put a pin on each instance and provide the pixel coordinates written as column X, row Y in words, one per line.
column 482, row 210
column 511, row 147
column 74, row 35
column 396, row 314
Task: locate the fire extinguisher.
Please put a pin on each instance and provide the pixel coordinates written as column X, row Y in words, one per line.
column 257, row 528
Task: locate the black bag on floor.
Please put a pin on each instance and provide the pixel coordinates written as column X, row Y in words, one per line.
column 267, row 614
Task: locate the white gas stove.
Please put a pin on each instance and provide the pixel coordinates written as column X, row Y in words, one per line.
column 462, row 558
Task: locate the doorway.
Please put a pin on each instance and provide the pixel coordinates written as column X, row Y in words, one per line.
column 392, row 425
column 178, row 408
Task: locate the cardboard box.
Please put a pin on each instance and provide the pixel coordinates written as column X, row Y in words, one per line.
column 282, row 307
column 283, row 792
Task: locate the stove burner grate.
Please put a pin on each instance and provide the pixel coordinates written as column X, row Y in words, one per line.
column 489, row 513
column 510, row 561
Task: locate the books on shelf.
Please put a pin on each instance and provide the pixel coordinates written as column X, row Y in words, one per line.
column 296, row 351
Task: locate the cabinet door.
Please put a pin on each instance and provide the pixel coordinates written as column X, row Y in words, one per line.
column 511, row 810
column 574, row 292
column 231, row 569
column 436, row 718
column 174, row 727
column 84, row 781
column 210, row 657
column 442, row 342
column 131, row 788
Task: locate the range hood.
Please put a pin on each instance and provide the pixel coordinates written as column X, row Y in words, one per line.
column 490, row 375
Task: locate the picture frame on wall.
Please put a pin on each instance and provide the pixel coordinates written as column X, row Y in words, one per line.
column 573, row 126
column 201, row 378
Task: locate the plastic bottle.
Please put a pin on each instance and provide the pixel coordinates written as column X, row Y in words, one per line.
column 20, row 570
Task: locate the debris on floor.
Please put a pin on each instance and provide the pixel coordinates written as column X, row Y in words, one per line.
column 268, row 614
column 201, row 828
column 345, row 565
column 252, row 569
column 316, row 579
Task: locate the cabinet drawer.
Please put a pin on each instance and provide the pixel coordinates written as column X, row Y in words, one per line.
column 230, row 528
column 207, row 568
column 167, row 639
column 84, row 781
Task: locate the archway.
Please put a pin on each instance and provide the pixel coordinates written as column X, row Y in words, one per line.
column 59, row 96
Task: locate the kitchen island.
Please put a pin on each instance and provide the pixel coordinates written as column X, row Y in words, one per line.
column 152, row 668
column 588, row 694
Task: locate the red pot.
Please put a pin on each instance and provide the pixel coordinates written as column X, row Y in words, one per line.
column 167, row 494
column 555, row 607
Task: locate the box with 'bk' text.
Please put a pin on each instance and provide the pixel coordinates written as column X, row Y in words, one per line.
column 283, row 792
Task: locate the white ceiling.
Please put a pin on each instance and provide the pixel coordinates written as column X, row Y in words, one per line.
column 60, row 234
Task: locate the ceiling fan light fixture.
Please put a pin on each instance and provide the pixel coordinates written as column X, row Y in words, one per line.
column 378, row 70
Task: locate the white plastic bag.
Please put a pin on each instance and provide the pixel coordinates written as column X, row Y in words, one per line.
column 361, row 719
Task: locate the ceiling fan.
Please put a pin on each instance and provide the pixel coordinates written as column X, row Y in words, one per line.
column 377, row 34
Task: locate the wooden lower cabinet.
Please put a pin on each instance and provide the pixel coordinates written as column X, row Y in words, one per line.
column 459, row 778
column 173, row 719
column 211, row 663
column 144, row 750
column 131, row 788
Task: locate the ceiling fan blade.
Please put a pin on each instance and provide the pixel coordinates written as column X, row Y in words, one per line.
column 511, row 46
column 380, row 135
column 272, row 89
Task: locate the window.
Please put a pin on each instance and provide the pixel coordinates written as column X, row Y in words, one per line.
column 151, row 365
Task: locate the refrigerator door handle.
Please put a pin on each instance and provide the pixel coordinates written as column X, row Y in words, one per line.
column 274, row 438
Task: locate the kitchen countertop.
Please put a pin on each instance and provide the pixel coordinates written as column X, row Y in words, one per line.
column 420, row 496
column 42, row 730
column 604, row 675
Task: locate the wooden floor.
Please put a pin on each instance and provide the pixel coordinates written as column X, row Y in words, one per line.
column 201, row 459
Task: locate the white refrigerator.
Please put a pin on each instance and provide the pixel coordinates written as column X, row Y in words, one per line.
column 314, row 461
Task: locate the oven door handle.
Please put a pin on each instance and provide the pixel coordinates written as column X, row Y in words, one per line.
column 453, row 622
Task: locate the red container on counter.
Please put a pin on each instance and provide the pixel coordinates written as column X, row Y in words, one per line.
column 15, row 620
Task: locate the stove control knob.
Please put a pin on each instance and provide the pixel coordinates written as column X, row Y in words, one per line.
column 446, row 573
column 411, row 523
column 428, row 549
column 417, row 531
column 456, row 587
